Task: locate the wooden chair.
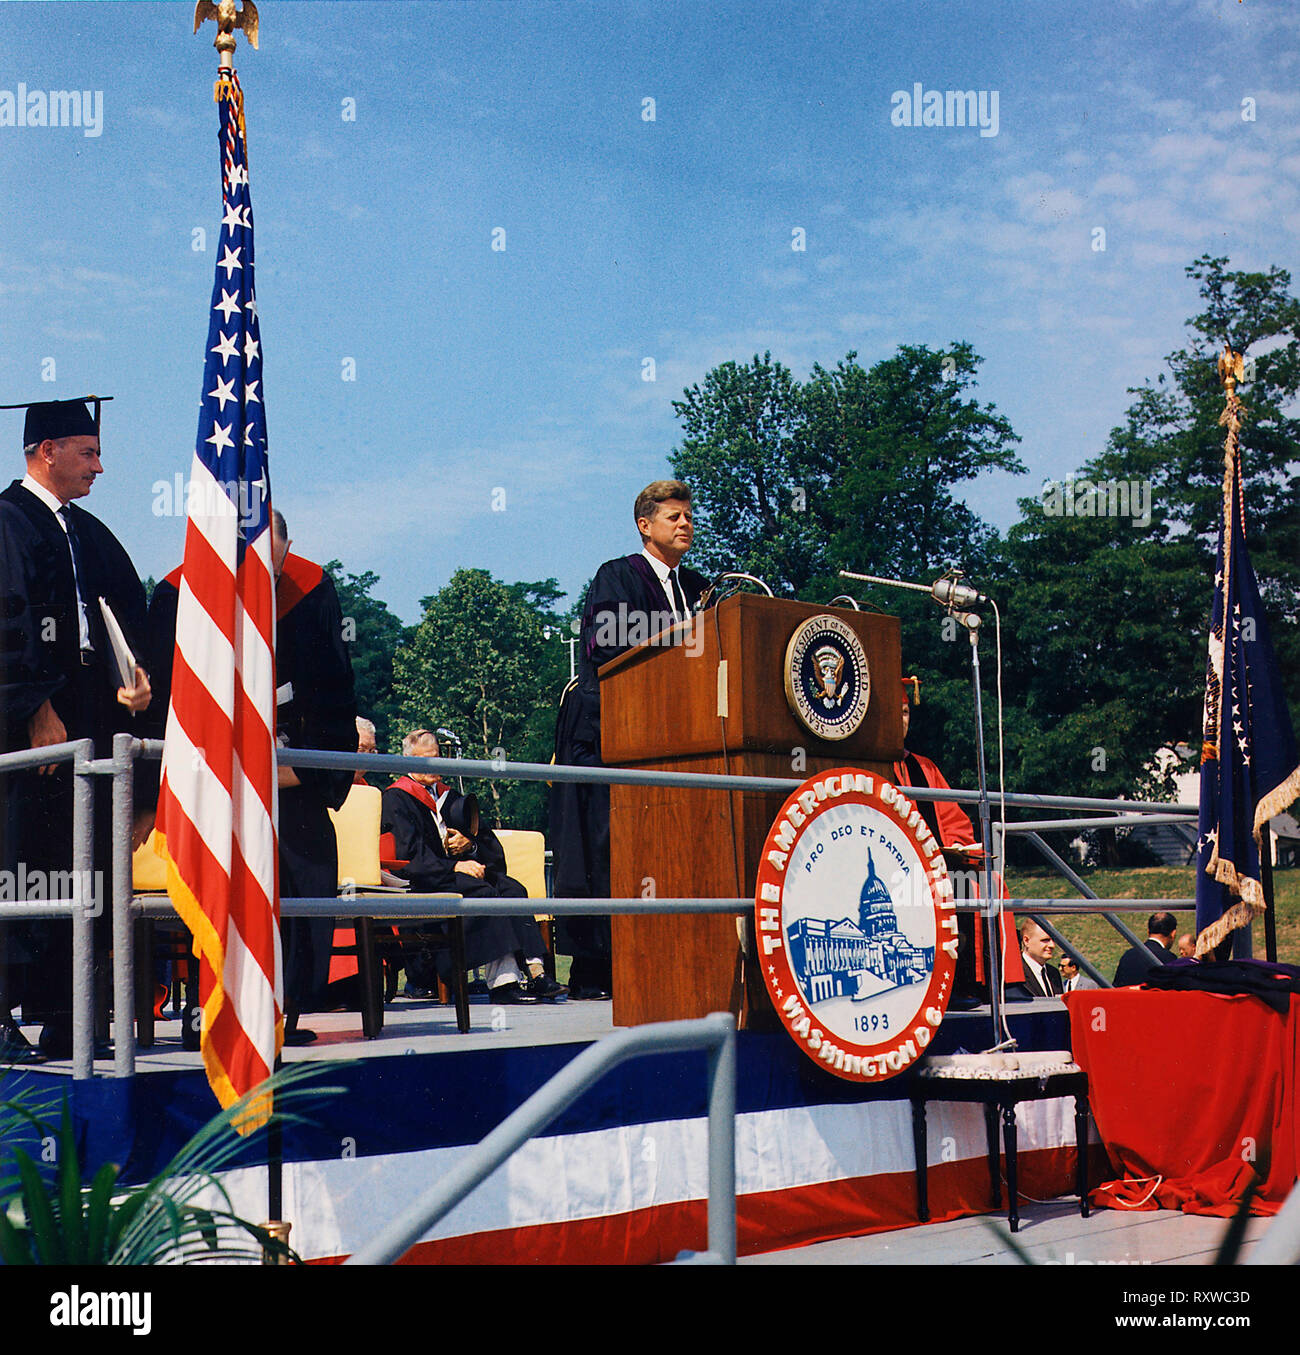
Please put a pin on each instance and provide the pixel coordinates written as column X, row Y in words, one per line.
column 168, row 937
column 377, row 945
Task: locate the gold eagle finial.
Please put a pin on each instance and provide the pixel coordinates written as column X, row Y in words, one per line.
column 228, row 18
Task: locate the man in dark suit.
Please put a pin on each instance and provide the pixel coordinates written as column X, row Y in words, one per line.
column 631, row 601
column 59, row 681
column 1134, row 965
column 1036, row 949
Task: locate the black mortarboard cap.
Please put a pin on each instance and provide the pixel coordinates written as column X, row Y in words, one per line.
column 60, row 418
column 461, row 813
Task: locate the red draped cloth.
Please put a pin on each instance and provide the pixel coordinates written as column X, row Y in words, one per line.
column 1192, row 1093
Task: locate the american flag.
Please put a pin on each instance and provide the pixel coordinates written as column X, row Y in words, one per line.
column 1249, row 768
column 217, row 806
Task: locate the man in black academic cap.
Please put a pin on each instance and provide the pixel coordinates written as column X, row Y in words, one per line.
column 631, row 600
column 59, row 681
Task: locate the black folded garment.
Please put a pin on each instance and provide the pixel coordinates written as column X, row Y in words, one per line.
column 1273, row 983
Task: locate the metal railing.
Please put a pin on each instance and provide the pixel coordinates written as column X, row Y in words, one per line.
column 715, row 1033
column 126, row 906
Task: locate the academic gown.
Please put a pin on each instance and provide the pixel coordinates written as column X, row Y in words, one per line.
column 950, row 824
column 410, row 834
column 625, row 605
column 311, row 663
column 40, row 659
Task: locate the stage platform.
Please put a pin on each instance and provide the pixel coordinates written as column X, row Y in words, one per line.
column 1052, row 1234
column 618, row 1178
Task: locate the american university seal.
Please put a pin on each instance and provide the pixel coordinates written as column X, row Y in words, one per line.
column 856, row 924
column 827, row 681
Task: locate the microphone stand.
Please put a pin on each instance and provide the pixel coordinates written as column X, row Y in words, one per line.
column 991, row 909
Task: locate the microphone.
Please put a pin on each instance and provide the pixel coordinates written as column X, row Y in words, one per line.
column 949, row 592
column 707, row 596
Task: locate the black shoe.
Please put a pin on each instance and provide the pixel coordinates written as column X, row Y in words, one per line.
column 547, row 989
column 56, row 1042
column 420, row 994
column 298, row 1036
column 582, row 994
column 16, row 1048
column 514, row 993
column 477, row 988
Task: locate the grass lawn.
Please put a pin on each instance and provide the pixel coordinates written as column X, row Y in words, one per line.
column 1103, row 945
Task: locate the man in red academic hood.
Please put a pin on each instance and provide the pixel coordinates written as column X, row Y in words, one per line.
column 953, row 828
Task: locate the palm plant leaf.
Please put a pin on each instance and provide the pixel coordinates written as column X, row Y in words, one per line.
column 159, row 1222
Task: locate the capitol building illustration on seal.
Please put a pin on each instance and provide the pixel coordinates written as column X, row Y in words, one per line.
column 859, row 960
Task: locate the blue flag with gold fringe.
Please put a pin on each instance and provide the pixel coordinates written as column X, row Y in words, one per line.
column 1250, row 769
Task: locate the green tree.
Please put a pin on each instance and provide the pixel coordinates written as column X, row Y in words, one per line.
column 373, row 635
column 854, row 468
column 486, row 662
column 743, row 454
column 1107, row 616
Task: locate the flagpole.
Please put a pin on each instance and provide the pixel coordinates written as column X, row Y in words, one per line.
column 1266, row 881
column 227, row 20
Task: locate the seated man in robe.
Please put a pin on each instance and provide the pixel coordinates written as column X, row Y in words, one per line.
column 419, row 811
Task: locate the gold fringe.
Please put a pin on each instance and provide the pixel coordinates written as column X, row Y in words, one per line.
column 1239, row 915
column 1278, row 799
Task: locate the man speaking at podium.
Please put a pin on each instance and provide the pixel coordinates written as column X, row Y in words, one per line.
column 631, row 600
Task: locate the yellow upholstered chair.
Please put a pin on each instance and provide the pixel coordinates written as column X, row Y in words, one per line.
column 169, row 938
column 148, row 871
column 356, row 827
column 525, row 858
column 526, row 862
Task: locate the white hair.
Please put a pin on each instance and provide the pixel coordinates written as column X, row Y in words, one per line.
column 417, row 738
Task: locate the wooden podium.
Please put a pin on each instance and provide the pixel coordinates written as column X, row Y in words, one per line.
column 677, row 708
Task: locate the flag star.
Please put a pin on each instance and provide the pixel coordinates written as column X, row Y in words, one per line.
column 220, row 438
column 226, row 348
column 252, row 349
column 230, row 261
column 226, row 305
column 250, row 392
column 249, row 430
column 225, row 391
column 232, row 216
column 239, row 175
column 251, row 305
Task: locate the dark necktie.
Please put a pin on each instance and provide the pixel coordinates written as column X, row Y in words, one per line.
column 78, row 572
column 680, row 609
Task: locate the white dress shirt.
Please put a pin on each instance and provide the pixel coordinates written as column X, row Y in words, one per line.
column 55, row 505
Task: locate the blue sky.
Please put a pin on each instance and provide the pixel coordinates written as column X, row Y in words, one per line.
column 499, row 415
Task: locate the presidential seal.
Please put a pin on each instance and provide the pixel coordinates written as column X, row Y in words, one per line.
column 856, row 925
column 827, row 681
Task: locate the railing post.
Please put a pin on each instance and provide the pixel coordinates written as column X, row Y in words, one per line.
column 722, row 1144
column 123, row 922
column 83, row 915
